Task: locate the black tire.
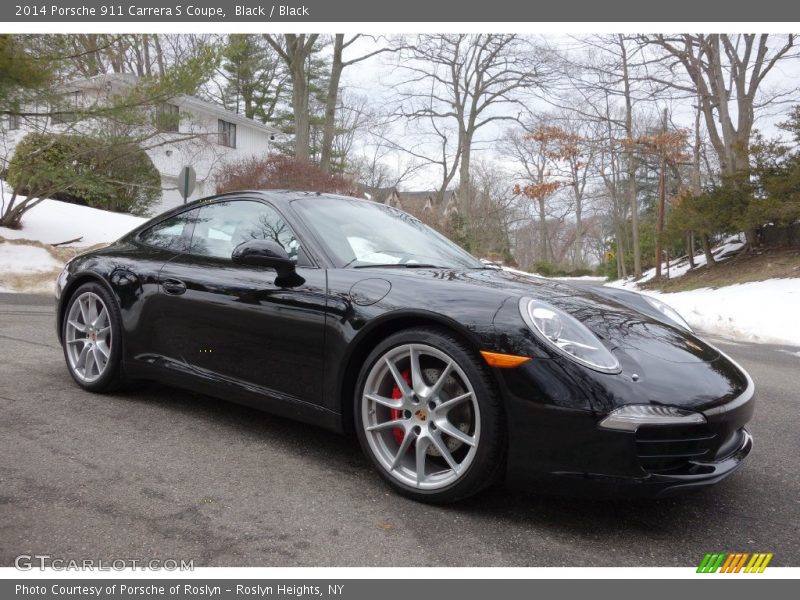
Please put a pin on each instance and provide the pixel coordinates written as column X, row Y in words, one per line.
column 112, row 377
column 488, row 462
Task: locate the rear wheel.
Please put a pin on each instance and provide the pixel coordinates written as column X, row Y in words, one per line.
column 91, row 338
column 428, row 416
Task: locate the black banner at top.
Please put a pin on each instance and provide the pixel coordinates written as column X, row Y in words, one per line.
column 443, row 11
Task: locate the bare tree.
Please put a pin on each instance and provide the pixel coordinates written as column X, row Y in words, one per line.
column 577, row 146
column 338, row 64
column 489, row 213
column 611, row 68
column 726, row 72
column 378, row 165
column 537, row 153
column 458, row 84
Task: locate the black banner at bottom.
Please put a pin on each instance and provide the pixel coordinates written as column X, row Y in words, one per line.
column 388, row 589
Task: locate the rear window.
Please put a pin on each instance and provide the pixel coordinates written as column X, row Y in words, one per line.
column 174, row 233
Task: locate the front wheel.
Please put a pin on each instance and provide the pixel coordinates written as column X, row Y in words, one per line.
column 428, row 416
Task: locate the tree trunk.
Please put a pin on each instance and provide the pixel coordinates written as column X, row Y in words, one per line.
column 578, row 232
column 662, row 205
column 631, row 162
column 542, row 230
column 464, row 182
column 621, row 268
column 302, row 136
column 710, row 261
column 298, row 49
column 12, row 217
column 696, row 183
column 464, row 191
column 662, row 200
column 329, row 128
column 159, row 55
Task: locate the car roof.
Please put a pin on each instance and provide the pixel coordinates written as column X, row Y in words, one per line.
column 285, row 196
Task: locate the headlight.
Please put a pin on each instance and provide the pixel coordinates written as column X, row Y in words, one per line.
column 668, row 312
column 568, row 336
column 628, row 418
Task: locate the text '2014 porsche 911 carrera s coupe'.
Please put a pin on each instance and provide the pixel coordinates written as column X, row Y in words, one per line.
column 454, row 374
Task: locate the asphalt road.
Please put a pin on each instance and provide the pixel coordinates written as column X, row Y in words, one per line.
column 160, row 473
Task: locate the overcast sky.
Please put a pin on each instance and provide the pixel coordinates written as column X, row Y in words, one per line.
column 378, row 78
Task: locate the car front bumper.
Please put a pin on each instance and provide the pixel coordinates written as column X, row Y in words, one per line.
column 566, row 451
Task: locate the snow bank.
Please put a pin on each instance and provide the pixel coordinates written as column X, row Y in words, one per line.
column 29, row 268
column 680, row 266
column 759, row 311
column 53, row 222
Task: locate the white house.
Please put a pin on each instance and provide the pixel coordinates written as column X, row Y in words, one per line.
column 190, row 131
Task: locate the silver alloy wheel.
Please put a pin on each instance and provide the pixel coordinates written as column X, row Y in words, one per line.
column 88, row 337
column 420, row 416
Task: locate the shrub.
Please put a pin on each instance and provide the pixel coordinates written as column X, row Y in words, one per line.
column 547, row 269
column 279, row 172
column 107, row 173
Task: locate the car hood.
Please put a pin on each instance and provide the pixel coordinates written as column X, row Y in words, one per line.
column 619, row 325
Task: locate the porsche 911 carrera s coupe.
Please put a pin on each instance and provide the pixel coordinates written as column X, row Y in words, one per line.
column 454, row 374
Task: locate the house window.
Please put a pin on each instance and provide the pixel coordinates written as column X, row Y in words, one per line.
column 73, row 100
column 227, row 133
column 168, row 118
column 13, row 122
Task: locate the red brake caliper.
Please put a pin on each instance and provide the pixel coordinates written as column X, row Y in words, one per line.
column 396, row 413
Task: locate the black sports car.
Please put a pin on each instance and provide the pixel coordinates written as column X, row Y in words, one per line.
column 351, row 315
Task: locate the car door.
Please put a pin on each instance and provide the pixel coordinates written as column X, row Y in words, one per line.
column 232, row 323
column 154, row 247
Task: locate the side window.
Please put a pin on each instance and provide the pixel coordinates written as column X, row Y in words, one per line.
column 174, row 233
column 222, row 226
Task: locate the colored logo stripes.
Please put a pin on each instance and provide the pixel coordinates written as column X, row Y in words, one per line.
column 734, row 562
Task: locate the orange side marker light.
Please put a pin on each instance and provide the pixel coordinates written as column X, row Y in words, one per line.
column 503, row 361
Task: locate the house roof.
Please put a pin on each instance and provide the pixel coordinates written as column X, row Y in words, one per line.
column 414, row 202
column 225, row 114
column 109, row 81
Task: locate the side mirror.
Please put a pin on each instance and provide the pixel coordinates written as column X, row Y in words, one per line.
column 264, row 253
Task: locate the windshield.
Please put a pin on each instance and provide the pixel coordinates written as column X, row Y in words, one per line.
column 361, row 234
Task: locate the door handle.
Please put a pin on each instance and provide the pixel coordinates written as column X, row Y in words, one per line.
column 173, row 286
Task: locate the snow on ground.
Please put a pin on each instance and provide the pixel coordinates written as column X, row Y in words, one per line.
column 26, row 259
column 582, row 278
column 519, row 272
column 759, row 311
column 586, row 278
column 26, row 267
column 680, row 266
